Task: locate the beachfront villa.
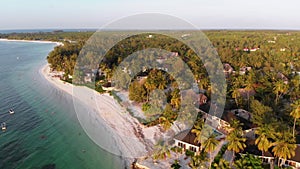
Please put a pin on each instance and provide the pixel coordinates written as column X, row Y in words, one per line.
column 186, row 140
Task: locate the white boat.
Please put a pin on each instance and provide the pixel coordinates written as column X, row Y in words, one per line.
column 11, row 111
column 3, row 126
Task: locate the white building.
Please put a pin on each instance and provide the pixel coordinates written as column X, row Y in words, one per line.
column 282, row 49
column 186, row 140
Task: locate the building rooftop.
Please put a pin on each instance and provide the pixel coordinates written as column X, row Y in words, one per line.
column 297, row 154
column 188, row 137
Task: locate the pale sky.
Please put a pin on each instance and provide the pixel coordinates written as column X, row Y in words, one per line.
column 205, row 14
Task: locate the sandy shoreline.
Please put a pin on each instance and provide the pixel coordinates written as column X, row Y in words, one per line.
column 31, row 41
column 106, row 122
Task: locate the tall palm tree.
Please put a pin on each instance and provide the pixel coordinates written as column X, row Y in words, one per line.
column 295, row 113
column 264, row 140
column 176, row 100
column 150, row 85
column 198, row 131
column 279, row 89
column 294, row 91
column 210, row 144
column 284, row 146
column 249, row 88
column 236, row 141
column 236, row 95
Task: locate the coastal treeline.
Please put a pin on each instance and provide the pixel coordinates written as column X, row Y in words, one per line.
column 57, row 36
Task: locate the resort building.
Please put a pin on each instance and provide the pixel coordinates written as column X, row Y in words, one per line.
column 254, row 49
column 293, row 162
column 271, row 41
column 244, row 69
column 282, row 49
column 242, row 113
column 186, row 140
column 202, row 99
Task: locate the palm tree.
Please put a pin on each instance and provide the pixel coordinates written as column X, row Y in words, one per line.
column 198, row 131
column 150, row 85
column 236, row 141
column 265, row 134
column 236, row 95
column 294, row 87
column 249, row 88
column 203, row 83
column 279, row 89
column 161, row 151
column 234, row 125
column 295, row 113
column 176, row 100
column 198, row 161
column 284, row 146
column 161, row 80
column 165, row 122
column 210, row 144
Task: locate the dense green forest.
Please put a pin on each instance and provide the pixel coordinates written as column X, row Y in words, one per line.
column 262, row 77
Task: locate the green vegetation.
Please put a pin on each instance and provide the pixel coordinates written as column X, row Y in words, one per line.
column 264, row 80
column 248, row 161
column 218, row 159
column 50, row 36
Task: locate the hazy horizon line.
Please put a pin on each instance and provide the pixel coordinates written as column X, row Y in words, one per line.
column 141, row 29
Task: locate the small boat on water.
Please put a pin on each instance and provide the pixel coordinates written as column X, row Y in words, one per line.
column 3, row 126
column 11, row 111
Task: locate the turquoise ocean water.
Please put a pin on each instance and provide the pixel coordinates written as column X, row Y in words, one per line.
column 44, row 131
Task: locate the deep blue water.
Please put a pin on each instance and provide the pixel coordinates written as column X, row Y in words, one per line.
column 44, row 131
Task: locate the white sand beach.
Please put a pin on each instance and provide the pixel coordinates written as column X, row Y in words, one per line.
column 106, row 122
column 32, row 41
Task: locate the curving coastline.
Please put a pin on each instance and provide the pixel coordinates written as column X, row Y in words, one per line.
column 130, row 139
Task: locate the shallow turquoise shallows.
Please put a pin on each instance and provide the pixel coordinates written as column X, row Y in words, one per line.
column 44, row 131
